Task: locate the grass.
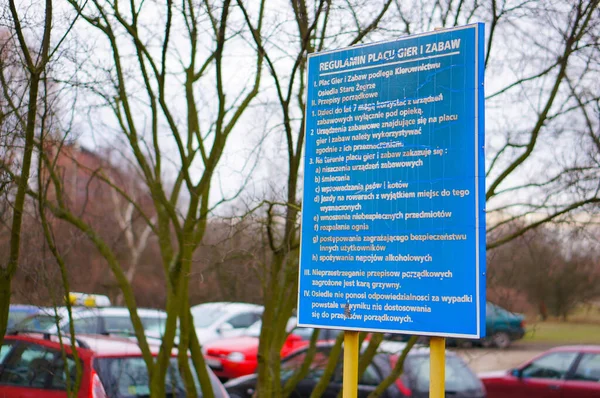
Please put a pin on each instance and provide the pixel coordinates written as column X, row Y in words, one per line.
column 554, row 332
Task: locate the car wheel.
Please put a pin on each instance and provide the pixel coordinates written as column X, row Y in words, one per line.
column 501, row 340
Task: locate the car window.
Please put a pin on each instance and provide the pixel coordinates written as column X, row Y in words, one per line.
column 118, row 324
column 204, row 316
column 37, row 323
column 84, row 325
column 459, row 377
column 153, row 323
column 293, row 363
column 59, row 379
column 128, row 378
column 552, row 366
column 243, row 321
column 588, row 368
column 5, row 349
column 28, row 366
column 370, row 377
column 16, row 317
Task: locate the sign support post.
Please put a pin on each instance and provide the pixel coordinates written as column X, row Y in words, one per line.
column 437, row 367
column 351, row 355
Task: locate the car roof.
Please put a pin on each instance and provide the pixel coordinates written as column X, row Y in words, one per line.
column 60, row 311
column 101, row 311
column 108, row 346
column 101, row 346
column 228, row 307
column 579, row 348
column 416, row 350
column 119, row 311
column 24, row 307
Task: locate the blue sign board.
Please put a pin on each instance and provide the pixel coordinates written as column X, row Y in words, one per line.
column 393, row 222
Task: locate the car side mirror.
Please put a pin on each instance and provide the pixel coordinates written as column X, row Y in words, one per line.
column 226, row 326
column 516, row 373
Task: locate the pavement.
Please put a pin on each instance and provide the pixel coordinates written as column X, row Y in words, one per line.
column 489, row 359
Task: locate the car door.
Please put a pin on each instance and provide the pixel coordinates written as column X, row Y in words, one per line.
column 584, row 380
column 32, row 371
column 544, row 377
column 367, row 382
column 305, row 387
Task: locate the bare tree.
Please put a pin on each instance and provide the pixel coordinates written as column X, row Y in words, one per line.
column 315, row 27
column 543, row 147
column 35, row 62
column 556, row 270
column 166, row 87
column 542, row 138
column 135, row 231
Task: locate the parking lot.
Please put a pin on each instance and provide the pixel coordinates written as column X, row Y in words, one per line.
column 488, row 359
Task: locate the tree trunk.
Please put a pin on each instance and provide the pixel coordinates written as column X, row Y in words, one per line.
column 5, row 285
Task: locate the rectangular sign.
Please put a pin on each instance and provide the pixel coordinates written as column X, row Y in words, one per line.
column 393, row 222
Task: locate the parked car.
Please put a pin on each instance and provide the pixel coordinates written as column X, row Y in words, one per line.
column 562, row 372
column 105, row 320
column 33, row 365
column 238, row 356
column 18, row 312
column 221, row 320
column 461, row 382
column 502, row 328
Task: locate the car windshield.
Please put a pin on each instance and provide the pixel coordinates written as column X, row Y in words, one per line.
column 37, row 323
column 317, row 367
column 458, row 377
column 158, row 329
column 254, row 329
column 123, row 323
column 15, row 317
column 206, row 315
column 127, row 377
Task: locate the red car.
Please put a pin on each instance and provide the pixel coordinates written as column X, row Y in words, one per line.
column 32, row 365
column 238, row 356
column 563, row 372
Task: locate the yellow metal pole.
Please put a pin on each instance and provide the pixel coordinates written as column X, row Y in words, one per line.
column 351, row 354
column 437, row 367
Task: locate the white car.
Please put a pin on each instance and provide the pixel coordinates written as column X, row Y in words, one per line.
column 220, row 320
column 104, row 320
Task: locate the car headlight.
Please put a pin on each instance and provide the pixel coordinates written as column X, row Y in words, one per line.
column 236, row 357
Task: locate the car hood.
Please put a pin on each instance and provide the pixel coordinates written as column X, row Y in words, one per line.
column 245, row 344
column 206, row 335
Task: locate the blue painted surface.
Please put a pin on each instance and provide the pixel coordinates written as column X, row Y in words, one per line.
column 393, row 220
